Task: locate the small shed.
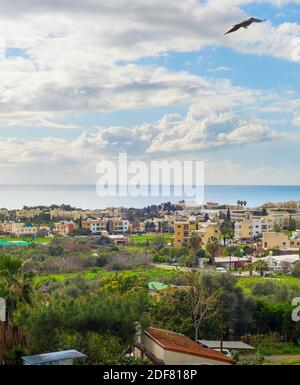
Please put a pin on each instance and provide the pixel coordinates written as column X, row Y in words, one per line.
column 66, row 357
column 157, row 286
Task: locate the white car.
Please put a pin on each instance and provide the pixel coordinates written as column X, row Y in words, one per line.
column 224, row 351
column 221, row 270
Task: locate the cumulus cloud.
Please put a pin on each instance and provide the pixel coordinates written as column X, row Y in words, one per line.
column 174, row 133
column 71, row 56
column 213, row 132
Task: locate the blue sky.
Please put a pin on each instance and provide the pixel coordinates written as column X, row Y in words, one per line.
column 85, row 80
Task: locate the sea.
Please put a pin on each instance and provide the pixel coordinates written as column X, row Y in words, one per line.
column 86, row 197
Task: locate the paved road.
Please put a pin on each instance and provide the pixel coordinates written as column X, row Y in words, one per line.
column 173, row 267
column 282, row 358
column 187, row 269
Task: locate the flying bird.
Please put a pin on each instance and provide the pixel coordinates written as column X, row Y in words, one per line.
column 244, row 24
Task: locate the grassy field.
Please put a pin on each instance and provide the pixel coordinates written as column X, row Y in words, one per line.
column 142, row 239
column 38, row 240
column 247, row 283
column 151, row 274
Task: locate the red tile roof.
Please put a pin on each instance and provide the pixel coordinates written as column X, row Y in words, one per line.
column 182, row 344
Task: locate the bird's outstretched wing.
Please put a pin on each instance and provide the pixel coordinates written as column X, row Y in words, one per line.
column 235, row 28
column 254, row 20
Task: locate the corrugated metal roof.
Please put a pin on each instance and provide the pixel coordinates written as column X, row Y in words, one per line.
column 157, row 286
column 226, row 345
column 43, row 359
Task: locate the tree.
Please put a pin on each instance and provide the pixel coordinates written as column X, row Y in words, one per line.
column 292, row 224
column 251, row 268
column 56, row 249
column 261, row 266
column 296, row 270
column 206, row 217
column 277, row 228
column 158, row 243
column 228, row 215
column 18, row 283
column 226, row 230
column 195, row 242
column 89, row 318
column 203, row 301
column 213, row 249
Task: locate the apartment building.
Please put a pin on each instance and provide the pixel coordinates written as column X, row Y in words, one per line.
column 184, row 229
column 243, row 229
column 27, row 214
column 278, row 217
column 253, row 227
column 240, row 214
column 181, row 234
column 112, row 226
column 67, row 215
column 120, row 226
column 273, row 240
column 18, row 229
column 95, row 225
column 64, row 227
column 158, row 225
column 207, row 231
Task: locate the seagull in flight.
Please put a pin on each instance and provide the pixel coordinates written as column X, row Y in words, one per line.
column 245, row 24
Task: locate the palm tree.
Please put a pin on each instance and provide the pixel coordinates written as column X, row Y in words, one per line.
column 213, row 249
column 261, row 266
column 17, row 282
column 195, row 243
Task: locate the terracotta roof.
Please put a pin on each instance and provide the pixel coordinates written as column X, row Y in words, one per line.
column 182, row 344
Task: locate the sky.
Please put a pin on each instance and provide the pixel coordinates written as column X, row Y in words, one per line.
column 82, row 81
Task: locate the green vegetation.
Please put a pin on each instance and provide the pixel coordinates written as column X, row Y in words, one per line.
column 247, row 283
column 141, row 240
column 88, row 294
column 37, row 239
column 97, row 273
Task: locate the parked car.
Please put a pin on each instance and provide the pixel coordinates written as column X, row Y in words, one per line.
column 224, row 351
column 221, row 270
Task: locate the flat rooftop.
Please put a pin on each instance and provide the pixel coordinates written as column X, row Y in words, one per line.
column 42, row 359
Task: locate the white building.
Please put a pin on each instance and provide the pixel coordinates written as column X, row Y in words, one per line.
column 281, row 262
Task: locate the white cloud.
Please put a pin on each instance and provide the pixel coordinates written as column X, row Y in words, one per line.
column 215, row 131
column 67, row 56
column 172, row 134
column 220, row 69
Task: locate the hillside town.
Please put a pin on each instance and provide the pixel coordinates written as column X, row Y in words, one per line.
column 164, row 273
column 274, row 227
